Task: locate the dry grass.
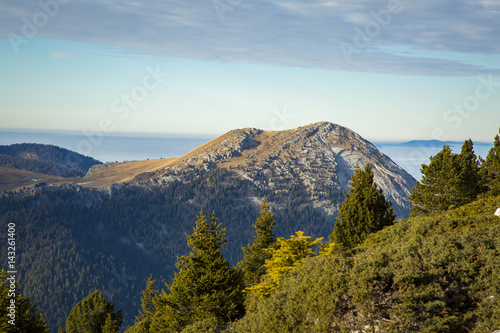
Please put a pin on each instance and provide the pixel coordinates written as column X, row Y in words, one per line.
column 12, row 179
column 124, row 172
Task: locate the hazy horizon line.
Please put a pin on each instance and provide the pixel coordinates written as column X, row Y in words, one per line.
column 152, row 135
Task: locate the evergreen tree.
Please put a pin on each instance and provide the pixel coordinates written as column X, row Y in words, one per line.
column 469, row 179
column 492, row 167
column 94, row 315
column 363, row 212
column 143, row 320
column 288, row 254
column 18, row 316
column 111, row 325
column 254, row 255
column 436, row 191
column 205, row 287
column 450, row 180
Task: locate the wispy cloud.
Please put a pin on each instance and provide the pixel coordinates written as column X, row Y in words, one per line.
column 61, row 55
column 296, row 33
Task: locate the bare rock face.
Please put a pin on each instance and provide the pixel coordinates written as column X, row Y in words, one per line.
column 320, row 157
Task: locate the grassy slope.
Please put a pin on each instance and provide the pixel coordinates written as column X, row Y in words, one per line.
column 12, row 179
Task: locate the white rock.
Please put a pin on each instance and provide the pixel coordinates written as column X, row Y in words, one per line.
column 497, row 213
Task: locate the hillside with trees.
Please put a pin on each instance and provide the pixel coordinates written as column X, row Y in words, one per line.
column 46, row 159
column 76, row 241
column 437, row 271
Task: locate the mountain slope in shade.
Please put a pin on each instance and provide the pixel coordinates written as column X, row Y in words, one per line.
column 320, row 157
column 45, row 159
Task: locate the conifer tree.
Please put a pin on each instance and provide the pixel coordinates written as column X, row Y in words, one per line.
column 22, row 315
column 492, row 167
column 436, row 190
column 94, row 315
column 469, row 178
column 205, row 287
column 363, row 212
column 254, row 255
column 450, row 180
column 288, row 254
column 143, row 320
column 111, row 325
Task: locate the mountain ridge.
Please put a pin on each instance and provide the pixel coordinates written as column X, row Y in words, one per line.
column 319, row 155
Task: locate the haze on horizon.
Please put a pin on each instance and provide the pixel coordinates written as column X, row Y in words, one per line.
column 392, row 70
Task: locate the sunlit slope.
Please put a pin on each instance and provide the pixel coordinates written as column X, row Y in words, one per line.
column 12, row 179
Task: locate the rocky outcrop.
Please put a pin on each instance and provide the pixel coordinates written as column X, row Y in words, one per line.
column 320, row 157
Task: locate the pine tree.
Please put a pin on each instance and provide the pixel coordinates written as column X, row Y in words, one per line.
column 288, row 254
column 363, row 212
column 469, row 179
column 18, row 316
column 145, row 317
column 450, row 180
column 254, row 255
column 205, row 287
column 94, row 315
column 491, row 167
column 111, row 325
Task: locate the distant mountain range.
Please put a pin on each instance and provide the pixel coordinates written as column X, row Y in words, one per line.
column 430, row 143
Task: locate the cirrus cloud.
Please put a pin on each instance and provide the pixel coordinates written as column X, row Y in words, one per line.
column 290, row 33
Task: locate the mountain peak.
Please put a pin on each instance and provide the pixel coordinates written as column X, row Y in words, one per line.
column 321, row 157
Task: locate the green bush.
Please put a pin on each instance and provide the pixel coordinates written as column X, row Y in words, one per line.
column 439, row 273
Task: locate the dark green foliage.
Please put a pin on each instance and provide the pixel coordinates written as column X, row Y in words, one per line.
column 69, row 249
column 94, row 315
column 210, row 325
column 205, row 286
column 145, row 317
column 21, row 313
column 426, row 274
column 111, row 325
column 470, row 182
column 363, row 212
column 76, row 241
column 46, row 159
column 491, row 167
column 450, row 180
column 436, row 191
column 254, row 255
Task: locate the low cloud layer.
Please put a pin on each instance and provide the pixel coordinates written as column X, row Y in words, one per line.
column 353, row 35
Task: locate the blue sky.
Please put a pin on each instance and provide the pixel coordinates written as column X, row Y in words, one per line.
column 390, row 70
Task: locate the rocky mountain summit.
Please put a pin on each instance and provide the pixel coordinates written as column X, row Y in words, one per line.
column 320, row 158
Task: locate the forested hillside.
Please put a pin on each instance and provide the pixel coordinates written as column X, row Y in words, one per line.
column 87, row 256
column 46, row 159
column 75, row 241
